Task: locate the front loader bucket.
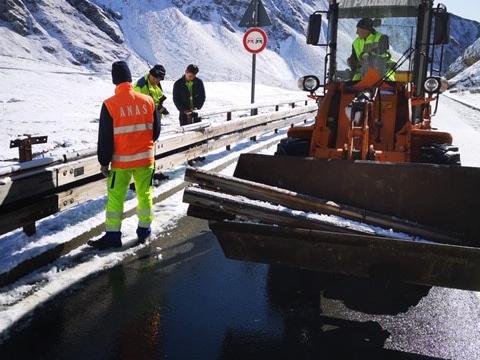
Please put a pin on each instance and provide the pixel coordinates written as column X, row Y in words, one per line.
column 423, row 263
column 442, row 197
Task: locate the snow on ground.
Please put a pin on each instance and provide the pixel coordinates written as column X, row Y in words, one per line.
column 464, row 124
column 64, row 103
column 466, row 97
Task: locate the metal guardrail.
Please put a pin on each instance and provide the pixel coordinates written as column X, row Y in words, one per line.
column 204, row 115
column 31, row 193
column 460, row 101
column 253, row 108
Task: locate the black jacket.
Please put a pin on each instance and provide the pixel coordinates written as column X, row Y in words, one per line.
column 181, row 96
column 105, row 135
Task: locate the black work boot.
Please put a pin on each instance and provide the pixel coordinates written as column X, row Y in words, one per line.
column 111, row 239
column 143, row 234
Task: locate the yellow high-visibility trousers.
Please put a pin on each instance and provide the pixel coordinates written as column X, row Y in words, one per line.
column 118, row 184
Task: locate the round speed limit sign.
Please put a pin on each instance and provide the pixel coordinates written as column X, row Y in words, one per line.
column 255, row 40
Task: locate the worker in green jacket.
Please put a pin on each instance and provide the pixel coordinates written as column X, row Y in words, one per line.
column 150, row 85
column 371, row 50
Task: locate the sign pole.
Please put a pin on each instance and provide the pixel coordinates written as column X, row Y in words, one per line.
column 254, row 60
column 254, row 70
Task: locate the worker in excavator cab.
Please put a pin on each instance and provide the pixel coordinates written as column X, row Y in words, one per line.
column 370, row 50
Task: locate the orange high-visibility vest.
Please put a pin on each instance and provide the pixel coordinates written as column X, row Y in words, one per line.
column 132, row 115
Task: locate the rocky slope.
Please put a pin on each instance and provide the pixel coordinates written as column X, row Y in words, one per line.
column 75, row 32
column 464, row 73
column 463, row 33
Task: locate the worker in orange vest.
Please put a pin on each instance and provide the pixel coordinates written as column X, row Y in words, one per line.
column 129, row 127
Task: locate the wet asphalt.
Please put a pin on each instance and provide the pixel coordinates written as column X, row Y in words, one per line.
column 193, row 303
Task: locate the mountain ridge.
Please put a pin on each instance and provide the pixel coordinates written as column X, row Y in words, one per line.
column 90, row 34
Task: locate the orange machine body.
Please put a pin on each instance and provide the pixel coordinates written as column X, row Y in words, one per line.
column 385, row 133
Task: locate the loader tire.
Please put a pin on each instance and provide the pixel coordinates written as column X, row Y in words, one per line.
column 441, row 154
column 293, row 147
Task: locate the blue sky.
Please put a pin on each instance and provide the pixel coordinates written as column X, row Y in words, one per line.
column 465, row 8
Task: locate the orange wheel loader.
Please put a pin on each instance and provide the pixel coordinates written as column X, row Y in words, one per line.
column 371, row 153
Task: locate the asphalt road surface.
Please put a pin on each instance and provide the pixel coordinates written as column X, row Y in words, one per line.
column 195, row 304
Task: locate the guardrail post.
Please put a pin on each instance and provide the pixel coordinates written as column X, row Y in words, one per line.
column 24, row 145
column 229, row 116
column 277, row 107
column 254, row 112
column 306, row 102
column 292, row 105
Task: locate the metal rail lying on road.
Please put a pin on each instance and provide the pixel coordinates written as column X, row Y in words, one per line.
column 36, row 193
column 263, row 223
column 306, row 203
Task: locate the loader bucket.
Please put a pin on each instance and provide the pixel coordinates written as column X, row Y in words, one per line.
column 371, row 257
column 442, row 197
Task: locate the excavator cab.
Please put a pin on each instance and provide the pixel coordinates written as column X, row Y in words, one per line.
column 371, row 188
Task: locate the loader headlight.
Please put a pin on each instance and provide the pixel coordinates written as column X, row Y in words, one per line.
column 309, row 83
column 432, row 85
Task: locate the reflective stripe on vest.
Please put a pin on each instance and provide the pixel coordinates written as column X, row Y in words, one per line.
column 134, row 157
column 132, row 128
column 132, row 115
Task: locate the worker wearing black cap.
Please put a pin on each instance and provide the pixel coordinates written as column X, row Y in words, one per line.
column 150, row 85
column 189, row 95
column 370, row 49
column 128, row 128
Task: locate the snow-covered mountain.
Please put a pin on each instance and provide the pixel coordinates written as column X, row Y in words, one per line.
column 464, row 73
column 206, row 32
column 463, row 33
column 67, row 32
column 93, row 33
